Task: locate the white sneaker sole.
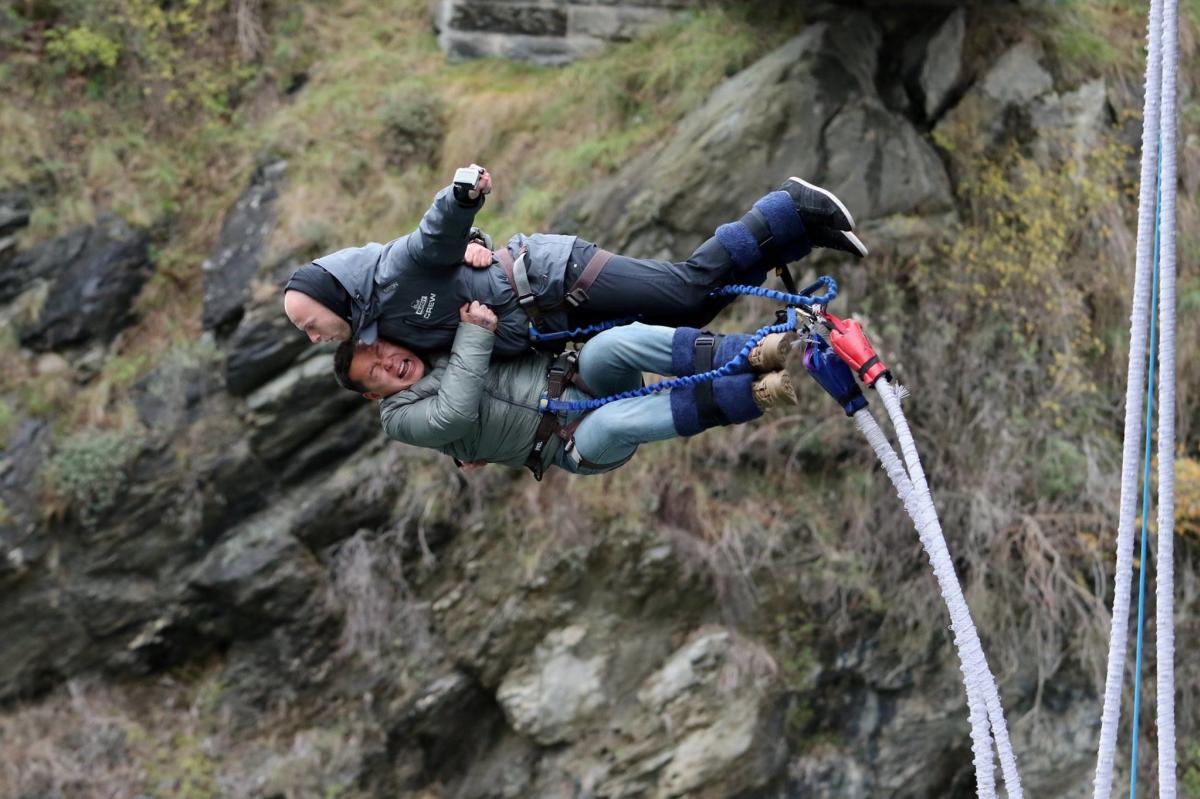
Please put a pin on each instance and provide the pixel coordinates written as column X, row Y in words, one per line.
column 830, row 195
column 856, row 242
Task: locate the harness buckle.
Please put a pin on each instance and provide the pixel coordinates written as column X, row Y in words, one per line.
column 576, row 297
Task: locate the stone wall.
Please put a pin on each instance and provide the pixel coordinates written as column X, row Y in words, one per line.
column 544, row 31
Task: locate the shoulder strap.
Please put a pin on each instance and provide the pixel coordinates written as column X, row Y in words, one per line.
column 506, row 260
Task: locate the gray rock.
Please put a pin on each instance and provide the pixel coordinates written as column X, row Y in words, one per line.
column 711, row 708
column 238, row 254
column 1017, row 76
column 22, row 460
column 547, row 52
column 933, row 63
column 809, row 108
column 531, row 20
column 264, row 344
column 545, row 32
column 261, row 573
column 171, row 397
column 14, row 211
column 1013, row 82
column 616, row 23
column 98, row 270
column 290, row 411
column 553, row 697
column 43, row 640
column 1069, row 126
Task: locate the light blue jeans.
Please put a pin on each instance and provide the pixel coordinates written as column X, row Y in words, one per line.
column 610, row 363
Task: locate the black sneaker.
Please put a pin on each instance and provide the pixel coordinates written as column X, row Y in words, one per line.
column 836, row 240
column 818, row 206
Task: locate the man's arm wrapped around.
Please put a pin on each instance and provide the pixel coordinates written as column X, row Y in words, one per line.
column 453, row 411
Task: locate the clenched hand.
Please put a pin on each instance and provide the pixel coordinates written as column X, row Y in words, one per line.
column 485, row 183
column 476, row 313
column 477, row 255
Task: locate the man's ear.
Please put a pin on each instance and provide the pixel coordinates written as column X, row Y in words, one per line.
column 372, row 395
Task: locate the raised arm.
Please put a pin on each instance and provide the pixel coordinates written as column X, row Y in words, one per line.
column 441, row 238
column 450, row 413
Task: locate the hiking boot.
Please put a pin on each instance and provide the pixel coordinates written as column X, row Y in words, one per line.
column 771, row 353
column 772, row 388
column 836, row 240
column 818, row 206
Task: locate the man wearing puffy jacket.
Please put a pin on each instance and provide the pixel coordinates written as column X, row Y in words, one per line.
column 410, row 289
column 480, row 411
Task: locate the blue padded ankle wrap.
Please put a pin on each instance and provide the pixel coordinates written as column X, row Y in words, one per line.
column 733, row 395
column 787, row 236
column 683, row 351
column 684, row 411
column 741, row 246
column 736, row 399
column 728, row 346
column 786, row 227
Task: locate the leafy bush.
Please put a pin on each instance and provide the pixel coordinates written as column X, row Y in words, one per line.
column 413, row 128
column 89, row 471
column 82, row 50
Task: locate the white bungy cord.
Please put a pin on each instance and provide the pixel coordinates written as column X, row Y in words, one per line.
column 1158, row 131
column 980, row 684
column 981, row 737
column 1164, row 623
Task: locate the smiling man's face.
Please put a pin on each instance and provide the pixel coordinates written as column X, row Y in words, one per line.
column 384, row 368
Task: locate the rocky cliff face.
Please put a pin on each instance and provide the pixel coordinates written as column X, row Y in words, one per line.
column 346, row 617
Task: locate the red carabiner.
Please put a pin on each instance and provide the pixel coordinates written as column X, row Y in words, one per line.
column 848, row 340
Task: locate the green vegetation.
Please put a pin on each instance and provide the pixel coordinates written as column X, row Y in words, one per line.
column 88, row 471
column 81, row 49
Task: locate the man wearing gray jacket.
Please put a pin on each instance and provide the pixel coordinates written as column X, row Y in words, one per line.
column 481, row 411
column 409, row 290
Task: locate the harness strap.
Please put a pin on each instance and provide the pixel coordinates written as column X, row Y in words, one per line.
column 561, row 374
column 756, row 223
column 709, row 411
column 578, row 294
column 579, row 460
column 518, row 278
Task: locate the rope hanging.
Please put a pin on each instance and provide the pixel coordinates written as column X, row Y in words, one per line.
column 981, row 736
column 977, row 673
column 1164, row 626
column 1155, row 254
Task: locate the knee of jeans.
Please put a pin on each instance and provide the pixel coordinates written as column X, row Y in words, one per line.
column 602, row 363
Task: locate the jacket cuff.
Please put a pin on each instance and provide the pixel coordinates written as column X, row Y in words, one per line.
column 471, row 337
column 465, row 201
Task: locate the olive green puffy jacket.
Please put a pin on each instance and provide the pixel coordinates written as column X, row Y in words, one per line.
column 471, row 407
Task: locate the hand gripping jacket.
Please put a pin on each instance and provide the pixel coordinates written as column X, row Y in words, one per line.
column 851, row 344
column 833, row 375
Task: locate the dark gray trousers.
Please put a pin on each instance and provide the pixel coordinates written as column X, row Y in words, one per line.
column 672, row 293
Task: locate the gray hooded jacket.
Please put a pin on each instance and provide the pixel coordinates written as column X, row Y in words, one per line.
column 410, row 289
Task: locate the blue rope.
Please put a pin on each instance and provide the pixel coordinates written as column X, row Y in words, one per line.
column 1141, row 619
column 736, row 364
column 579, row 332
column 803, row 298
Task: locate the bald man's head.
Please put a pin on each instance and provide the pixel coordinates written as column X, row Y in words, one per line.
column 314, row 319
